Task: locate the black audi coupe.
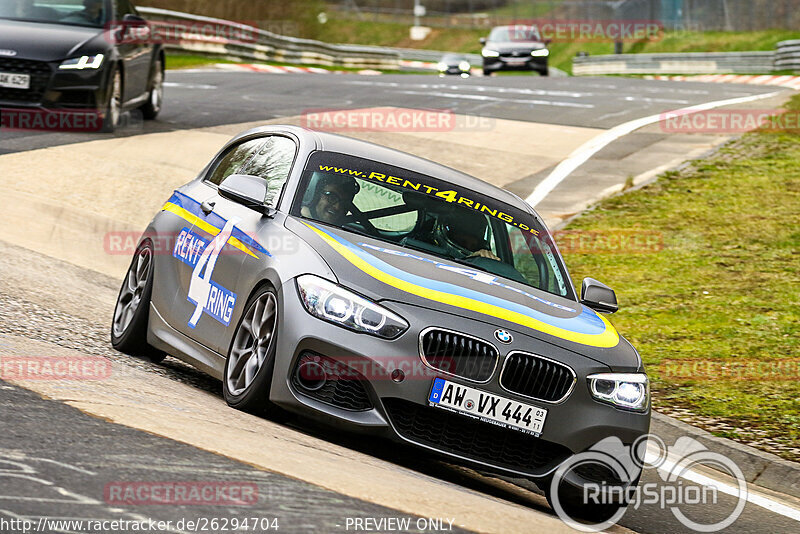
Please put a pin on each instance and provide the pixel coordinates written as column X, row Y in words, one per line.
column 72, row 56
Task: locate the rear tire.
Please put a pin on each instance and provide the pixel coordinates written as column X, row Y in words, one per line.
column 132, row 312
column 251, row 357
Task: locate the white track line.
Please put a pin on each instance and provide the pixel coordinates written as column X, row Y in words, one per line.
column 757, row 499
column 593, row 146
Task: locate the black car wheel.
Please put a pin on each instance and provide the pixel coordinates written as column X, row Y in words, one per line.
column 155, row 94
column 544, row 72
column 129, row 327
column 113, row 108
column 487, row 72
column 251, row 358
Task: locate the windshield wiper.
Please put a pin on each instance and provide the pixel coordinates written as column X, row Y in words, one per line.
column 447, row 257
column 468, row 264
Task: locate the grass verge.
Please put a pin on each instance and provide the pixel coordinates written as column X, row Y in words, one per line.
column 188, row 61
column 722, row 298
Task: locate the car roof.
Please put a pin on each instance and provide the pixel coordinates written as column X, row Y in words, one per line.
column 363, row 149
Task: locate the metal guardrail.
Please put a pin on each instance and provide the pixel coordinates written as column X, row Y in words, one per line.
column 415, row 54
column 787, row 55
column 686, row 63
column 264, row 45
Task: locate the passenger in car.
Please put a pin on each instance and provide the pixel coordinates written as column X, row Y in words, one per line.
column 332, row 200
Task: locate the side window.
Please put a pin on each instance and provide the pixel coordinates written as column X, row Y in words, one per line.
column 272, row 161
column 233, row 161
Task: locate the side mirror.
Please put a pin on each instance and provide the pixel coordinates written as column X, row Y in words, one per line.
column 598, row 297
column 134, row 21
column 249, row 191
column 482, row 40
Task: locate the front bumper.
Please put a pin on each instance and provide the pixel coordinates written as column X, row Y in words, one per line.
column 54, row 89
column 495, row 64
column 399, row 409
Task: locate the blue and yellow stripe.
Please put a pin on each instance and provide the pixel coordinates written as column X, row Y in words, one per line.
column 189, row 210
column 587, row 328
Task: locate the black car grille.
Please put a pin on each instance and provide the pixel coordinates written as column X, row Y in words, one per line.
column 459, row 354
column 536, row 377
column 473, row 439
column 521, row 55
column 39, row 72
column 344, row 387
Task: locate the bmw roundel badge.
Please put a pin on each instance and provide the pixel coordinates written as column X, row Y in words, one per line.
column 503, row 336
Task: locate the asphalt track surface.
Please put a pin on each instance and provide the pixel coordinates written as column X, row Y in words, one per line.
column 73, row 456
column 208, row 98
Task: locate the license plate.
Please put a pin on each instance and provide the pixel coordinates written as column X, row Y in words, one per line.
column 487, row 407
column 516, row 61
column 15, row 81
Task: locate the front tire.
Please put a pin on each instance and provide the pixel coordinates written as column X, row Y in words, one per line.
column 113, row 108
column 132, row 311
column 251, row 358
column 155, row 94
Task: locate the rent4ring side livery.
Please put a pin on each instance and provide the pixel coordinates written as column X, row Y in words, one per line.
column 388, row 295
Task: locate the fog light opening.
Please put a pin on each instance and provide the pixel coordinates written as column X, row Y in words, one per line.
column 311, row 376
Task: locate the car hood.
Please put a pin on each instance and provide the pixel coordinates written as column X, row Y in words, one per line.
column 387, row 272
column 48, row 42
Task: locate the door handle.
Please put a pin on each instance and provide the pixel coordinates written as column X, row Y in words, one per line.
column 207, row 207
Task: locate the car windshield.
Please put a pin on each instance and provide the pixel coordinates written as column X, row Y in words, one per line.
column 453, row 58
column 430, row 216
column 90, row 13
column 504, row 34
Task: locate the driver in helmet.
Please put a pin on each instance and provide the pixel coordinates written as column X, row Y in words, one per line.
column 332, row 199
column 463, row 233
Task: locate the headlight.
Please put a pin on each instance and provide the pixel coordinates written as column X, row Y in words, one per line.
column 542, row 52
column 625, row 390
column 83, row 62
column 337, row 305
column 464, row 65
column 488, row 52
column 441, row 66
